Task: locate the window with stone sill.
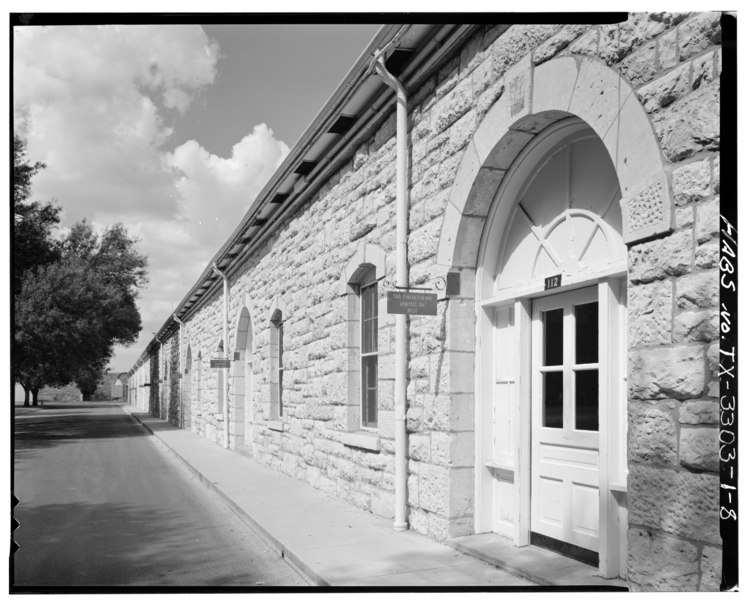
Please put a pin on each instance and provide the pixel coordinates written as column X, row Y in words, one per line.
column 369, row 355
column 276, row 341
column 363, row 350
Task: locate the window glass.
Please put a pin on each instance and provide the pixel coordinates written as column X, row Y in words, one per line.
column 586, row 333
column 369, row 354
column 552, row 337
column 586, row 400
column 553, row 399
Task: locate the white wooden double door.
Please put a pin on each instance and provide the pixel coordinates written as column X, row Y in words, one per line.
column 565, row 421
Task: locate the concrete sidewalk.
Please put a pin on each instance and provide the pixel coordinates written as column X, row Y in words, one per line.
column 329, row 541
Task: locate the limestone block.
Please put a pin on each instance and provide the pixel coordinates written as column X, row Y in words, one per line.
column 461, row 374
column 452, row 107
column 585, row 45
column 423, row 243
column 698, row 33
column 713, row 358
column 677, row 372
column 461, row 490
column 382, row 504
column 447, row 170
column 691, row 182
column 452, row 449
column 707, row 255
column 677, row 502
column 488, row 97
column 699, row 448
column 716, row 174
column 657, row 259
column 461, row 526
column 699, row 412
column 698, row 290
column 434, row 489
column 459, row 134
column 708, row 221
column 437, row 527
column 690, row 125
column 413, row 497
column 558, row 42
column 684, row 217
column 516, row 44
column 703, row 69
column 712, row 564
column 619, row 40
column 652, row 434
column 448, row 76
column 668, row 50
column 419, row 447
column 482, row 76
column 418, row 521
column 472, row 54
column 640, row 66
column 647, row 211
column 666, row 89
column 661, row 563
column 650, row 314
column 460, row 411
column 697, row 326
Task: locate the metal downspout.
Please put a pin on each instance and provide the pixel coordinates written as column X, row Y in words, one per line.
column 226, row 403
column 402, row 280
column 181, row 369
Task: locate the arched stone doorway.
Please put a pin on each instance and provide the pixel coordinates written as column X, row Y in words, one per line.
column 243, row 383
column 561, row 173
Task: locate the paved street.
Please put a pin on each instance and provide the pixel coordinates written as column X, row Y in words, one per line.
column 102, row 504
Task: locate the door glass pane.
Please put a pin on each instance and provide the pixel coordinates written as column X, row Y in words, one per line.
column 586, row 333
column 553, row 399
column 586, row 400
column 553, row 337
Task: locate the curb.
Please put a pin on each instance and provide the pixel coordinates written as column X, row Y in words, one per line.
column 303, row 569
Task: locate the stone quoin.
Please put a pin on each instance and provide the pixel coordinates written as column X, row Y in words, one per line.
column 582, row 418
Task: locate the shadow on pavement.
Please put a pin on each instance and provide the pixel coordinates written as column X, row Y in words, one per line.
column 48, row 427
column 114, row 544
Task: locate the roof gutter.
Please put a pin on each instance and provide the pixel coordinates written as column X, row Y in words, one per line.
column 429, row 58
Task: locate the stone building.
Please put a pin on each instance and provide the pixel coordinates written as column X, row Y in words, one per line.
column 563, row 204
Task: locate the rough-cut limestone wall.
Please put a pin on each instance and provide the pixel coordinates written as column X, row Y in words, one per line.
column 154, row 389
column 205, row 333
column 673, row 62
column 674, row 541
column 173, row 381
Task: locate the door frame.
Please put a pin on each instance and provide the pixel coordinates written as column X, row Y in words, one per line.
column 612, row 482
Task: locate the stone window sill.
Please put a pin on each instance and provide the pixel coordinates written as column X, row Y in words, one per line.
column 361, row 439
column 275, row 425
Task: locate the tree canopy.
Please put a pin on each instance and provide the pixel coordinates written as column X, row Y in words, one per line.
column 33, row 222
column 77, row 302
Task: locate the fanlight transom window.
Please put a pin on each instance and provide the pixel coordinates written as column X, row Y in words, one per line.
column 567, row 219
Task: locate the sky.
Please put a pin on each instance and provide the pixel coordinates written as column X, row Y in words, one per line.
column 171, row 130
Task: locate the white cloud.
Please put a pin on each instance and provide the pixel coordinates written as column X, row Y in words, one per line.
column 93, row 104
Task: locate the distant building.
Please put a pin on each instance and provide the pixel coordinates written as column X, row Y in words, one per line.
column 564, row 208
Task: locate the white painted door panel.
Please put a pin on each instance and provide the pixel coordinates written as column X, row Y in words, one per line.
column 564, row 448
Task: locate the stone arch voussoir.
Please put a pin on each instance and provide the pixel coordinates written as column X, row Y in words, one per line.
column 534, row 98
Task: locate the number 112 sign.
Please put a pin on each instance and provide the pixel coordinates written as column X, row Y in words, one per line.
column 552, row 282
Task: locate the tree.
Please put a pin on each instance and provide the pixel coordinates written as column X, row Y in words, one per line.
column 69, row 314
column 33, row 222
column 74, row 298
